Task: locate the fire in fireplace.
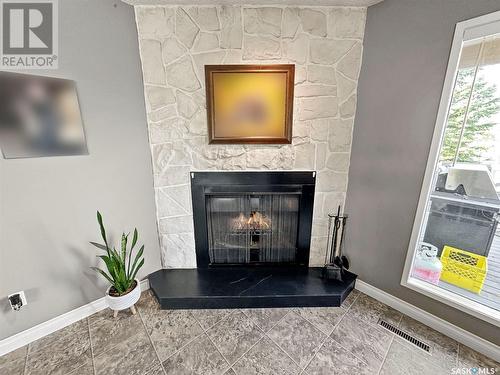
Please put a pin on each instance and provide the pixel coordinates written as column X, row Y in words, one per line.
column 252, row 217
column 254, row 221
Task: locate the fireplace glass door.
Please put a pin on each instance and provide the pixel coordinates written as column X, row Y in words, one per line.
column 252, row 228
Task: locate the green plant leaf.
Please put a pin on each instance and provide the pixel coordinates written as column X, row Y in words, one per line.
column 98, row 245
column 137, row 269
column 117, row 258
column 134, row 239
column 120, row 279
column 109, row 265
column 103, row 274
column 116, row 268
column 137, row 257
column 101, row 226
column 120, row 282
column 124, row 247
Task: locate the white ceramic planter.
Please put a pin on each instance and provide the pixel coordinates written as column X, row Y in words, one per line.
column 126, row 301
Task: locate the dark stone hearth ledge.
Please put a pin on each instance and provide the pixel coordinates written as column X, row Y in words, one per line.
column 247, row 287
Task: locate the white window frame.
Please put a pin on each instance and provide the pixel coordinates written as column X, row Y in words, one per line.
column 464, row 31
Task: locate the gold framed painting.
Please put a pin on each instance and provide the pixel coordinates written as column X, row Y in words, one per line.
column 250, row 103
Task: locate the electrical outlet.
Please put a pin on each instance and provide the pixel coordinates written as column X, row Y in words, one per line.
column 17, row 300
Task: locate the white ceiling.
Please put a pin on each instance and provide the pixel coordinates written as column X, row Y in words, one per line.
column 358, row 3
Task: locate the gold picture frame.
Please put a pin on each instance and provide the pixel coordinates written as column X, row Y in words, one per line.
column 249, row 104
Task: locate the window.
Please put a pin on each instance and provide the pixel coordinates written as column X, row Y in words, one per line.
column 454, row 253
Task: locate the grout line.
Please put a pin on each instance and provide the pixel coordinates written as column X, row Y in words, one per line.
column 258, row 326
column 213, row 325
column 149, row 337
column 400, row 320
column 338, row 323
column 26, row 359
column 250, row 348
column 245, row 353
column 335, row 326
column 186, row 344
column 115, row 345
column 208, row 336
column 314, row 355
column 259, row 340
column 216, row 348
column 279, row 346
column 393, row 337
column 314, row 325
column 196, row 337
column 350, row 352
column 348, row 308
column 232, row 311
column 355, row 299
column 386, row 354
column 91, row 347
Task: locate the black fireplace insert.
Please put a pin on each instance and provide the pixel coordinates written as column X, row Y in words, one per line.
column 252, row 218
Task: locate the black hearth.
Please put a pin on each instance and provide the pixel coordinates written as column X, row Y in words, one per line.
column 252, row 218
column 248, row 287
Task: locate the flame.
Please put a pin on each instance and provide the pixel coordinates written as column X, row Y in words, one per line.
column 256, row 220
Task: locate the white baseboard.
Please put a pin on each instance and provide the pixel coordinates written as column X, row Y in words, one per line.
column 46, row 328
column 459, row 334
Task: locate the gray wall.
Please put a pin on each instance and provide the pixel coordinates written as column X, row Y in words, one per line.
column 406, row 48
column 47, row 205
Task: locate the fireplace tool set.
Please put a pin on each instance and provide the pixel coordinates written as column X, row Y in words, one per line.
column 335, row 261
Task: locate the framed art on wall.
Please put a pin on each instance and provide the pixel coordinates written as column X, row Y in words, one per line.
column 39, row 116
column 250, row 103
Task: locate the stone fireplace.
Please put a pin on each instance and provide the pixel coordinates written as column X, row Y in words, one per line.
column 252, row 218
column 176, row 42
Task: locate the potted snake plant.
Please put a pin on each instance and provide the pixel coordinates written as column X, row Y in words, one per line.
column 121, row 270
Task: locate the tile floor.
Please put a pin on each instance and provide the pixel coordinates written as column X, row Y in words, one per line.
column 338, row 340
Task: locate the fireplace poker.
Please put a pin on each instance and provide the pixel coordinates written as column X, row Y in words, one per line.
column 336, row 257
column 343, row 259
